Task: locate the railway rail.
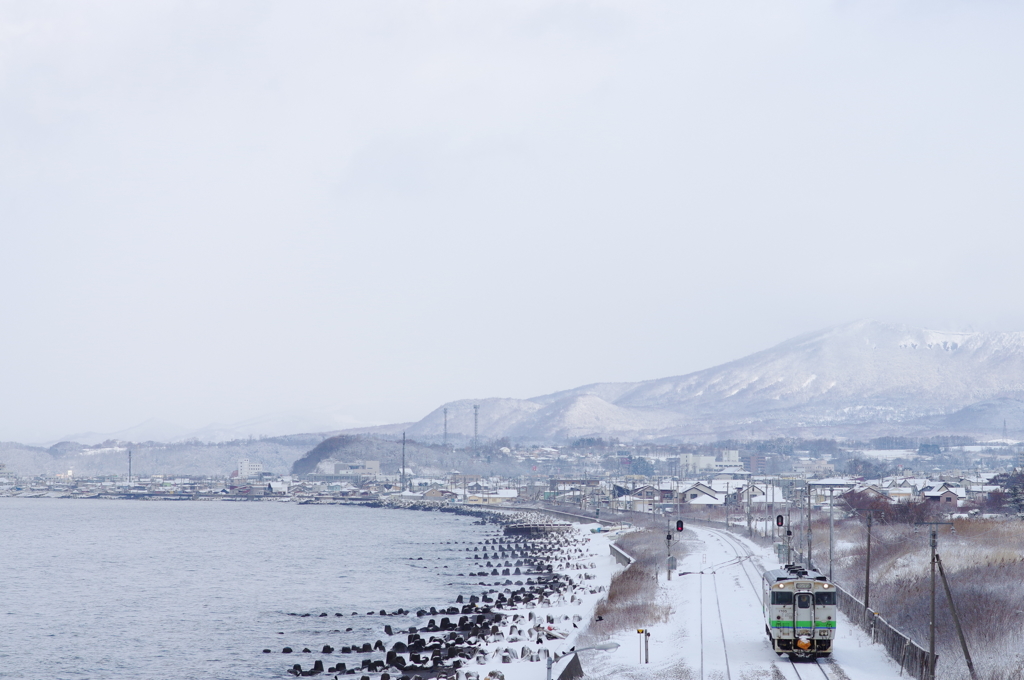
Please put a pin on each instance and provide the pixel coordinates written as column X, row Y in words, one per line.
column 752, row 574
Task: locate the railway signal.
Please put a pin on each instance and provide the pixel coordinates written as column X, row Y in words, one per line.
column 645, row 649
column 780, row 521
column 679, row 525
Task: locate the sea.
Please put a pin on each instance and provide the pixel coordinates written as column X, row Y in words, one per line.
column 197, row 589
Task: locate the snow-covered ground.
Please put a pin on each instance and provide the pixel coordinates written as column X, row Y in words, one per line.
column 592, row 572
column 716, row 629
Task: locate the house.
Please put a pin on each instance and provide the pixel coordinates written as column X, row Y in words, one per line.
column 872, row 491
column 645, row 497
column 758, row 494
column 697, row 494
column 945, row 494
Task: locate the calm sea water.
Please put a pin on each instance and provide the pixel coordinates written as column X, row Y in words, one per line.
column 137, row 589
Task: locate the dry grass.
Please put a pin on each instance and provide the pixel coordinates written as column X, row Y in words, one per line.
column 984, row 561
column 631, row 596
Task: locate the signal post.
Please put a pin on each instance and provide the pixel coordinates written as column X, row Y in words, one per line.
column 671, row 562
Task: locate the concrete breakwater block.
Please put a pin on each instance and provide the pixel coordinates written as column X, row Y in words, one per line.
column 473, row 631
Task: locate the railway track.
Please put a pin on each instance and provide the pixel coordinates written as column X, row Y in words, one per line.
column 752, row 574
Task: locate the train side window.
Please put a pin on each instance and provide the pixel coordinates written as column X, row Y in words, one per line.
column 825, row 598
column 782, row 598
column 803, row 600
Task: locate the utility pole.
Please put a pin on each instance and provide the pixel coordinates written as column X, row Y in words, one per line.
column 933, row 541
column 445, row 440
column 403, row 461
column 476, row 419
column 810, row 562
column 750, row 529
column 129, row 469
column 789, row 533
column 831, row 529
column 668, row 545
column 867, row 571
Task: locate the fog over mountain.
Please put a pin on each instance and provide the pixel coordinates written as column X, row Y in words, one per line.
column 854, row 380
column 857, row 380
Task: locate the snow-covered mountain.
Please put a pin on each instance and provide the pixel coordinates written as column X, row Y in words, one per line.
column 857, row 379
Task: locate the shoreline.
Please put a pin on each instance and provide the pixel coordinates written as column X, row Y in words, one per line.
column 540, row 592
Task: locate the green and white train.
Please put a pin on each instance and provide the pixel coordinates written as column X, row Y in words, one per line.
column 799, row 612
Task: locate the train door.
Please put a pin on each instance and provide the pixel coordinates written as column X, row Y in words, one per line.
column 803, row 622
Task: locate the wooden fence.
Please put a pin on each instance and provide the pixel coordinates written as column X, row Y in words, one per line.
column 912, row 658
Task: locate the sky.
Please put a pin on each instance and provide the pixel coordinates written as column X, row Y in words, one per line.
column 357, row 211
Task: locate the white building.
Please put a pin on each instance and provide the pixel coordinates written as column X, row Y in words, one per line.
column 247, row 469
column 362, row 469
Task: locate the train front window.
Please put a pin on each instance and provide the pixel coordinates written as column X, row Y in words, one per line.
column 803, row 600
column 825, row 597
column 782, row 597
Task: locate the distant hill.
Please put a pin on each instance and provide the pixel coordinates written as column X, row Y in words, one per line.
column 182, row 458
column 856, row 380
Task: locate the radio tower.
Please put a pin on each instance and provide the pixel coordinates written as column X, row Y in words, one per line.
column 476, row 419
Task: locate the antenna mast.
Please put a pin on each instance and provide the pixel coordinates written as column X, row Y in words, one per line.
column 476, row 419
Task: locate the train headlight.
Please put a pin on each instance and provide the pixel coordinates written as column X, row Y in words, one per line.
column 825, row 585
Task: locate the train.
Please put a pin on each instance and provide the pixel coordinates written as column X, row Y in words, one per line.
column 800, row 612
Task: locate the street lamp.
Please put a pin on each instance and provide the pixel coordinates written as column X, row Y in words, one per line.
column 603, row 646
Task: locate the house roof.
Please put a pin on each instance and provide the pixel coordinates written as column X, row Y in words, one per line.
column 941, row 489
column 706, row 500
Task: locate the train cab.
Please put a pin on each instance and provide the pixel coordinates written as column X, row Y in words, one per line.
column 800, row 612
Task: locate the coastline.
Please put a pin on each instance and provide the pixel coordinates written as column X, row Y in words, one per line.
column 537, row 594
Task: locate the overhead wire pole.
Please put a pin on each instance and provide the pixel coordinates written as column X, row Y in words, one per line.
column 750, row 526
column 403, row 462
column 810, row 561
column 831, row 528
column 933, row 542
column 867, row 571
column 476, row 418
column 789, row 533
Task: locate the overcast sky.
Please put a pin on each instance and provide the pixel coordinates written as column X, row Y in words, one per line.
column 212, row 211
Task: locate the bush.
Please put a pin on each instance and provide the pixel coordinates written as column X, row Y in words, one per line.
column 983, row 561
column 631, row 596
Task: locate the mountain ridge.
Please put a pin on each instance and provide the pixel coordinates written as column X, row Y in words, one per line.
column 850, row 380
